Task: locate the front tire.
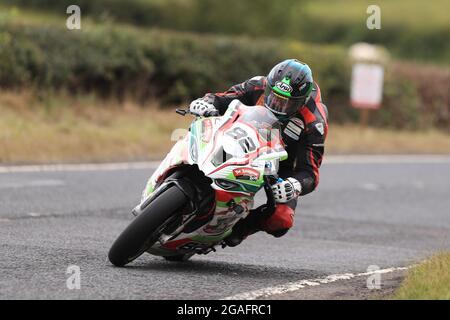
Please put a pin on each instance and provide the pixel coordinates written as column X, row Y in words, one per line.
column 139, row 235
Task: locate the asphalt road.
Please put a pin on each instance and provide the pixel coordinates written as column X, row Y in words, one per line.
column 365, row 212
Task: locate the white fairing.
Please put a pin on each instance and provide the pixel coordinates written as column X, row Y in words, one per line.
column 228, row 149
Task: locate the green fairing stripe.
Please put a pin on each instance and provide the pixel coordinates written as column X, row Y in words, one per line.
column 221, row 204
column 150, row 189
column 244, row 187
column 250, row 188
column 203, row 145
column 256, row 183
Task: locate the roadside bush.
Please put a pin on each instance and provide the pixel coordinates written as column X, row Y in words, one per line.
column 176, row 67
column 170, row 66
column 405, row 34
column 423, row 93
column 50, row 58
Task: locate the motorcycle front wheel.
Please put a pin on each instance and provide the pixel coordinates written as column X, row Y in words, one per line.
column 140, row 234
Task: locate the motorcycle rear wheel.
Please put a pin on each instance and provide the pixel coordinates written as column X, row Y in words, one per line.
column 140, row 233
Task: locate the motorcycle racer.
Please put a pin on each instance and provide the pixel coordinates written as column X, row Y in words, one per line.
column 290, row 92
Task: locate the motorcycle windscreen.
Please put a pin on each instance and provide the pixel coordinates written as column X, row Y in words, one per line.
column 256, row 127
column 259, row 117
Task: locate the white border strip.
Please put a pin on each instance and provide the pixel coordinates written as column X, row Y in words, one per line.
column 294, row 286
column 81, row 167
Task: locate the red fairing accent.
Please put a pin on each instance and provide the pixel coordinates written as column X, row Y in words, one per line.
column 226, row 164
column 224, row 196
column 282, row 219
column 243, row 172
column 172, row 245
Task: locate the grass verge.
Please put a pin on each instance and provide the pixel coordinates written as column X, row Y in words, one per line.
column 82, row 130
column 352, row 139
column 85, row 129
column 430, row 280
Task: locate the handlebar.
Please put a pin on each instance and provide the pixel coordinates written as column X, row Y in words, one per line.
column 184, row 112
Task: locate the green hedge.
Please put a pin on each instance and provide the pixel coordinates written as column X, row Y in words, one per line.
column 176, row 67
column 172, row 66
column 279, row 19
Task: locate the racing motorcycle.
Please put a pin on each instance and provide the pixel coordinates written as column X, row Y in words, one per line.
column 205, row 185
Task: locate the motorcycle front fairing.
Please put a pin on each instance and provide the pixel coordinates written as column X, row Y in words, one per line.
column 235, row 151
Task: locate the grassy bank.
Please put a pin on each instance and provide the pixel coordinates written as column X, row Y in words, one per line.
column 429, row 280
column 351, row 139
column 70, row 129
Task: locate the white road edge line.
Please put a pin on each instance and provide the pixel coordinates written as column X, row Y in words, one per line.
column 297, row 285
column 334, row 159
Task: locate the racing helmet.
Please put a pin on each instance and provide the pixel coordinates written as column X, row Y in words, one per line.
column 289, row 85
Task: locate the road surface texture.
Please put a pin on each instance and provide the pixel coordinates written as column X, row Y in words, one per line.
column 389, row 212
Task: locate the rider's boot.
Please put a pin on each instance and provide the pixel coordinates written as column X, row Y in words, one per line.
column 243, row 228
column 278, row 224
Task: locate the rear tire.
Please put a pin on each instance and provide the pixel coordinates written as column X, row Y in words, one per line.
column 139, row 234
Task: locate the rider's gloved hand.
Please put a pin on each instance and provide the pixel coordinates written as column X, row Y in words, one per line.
column 286, row 190
column 201, row 107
